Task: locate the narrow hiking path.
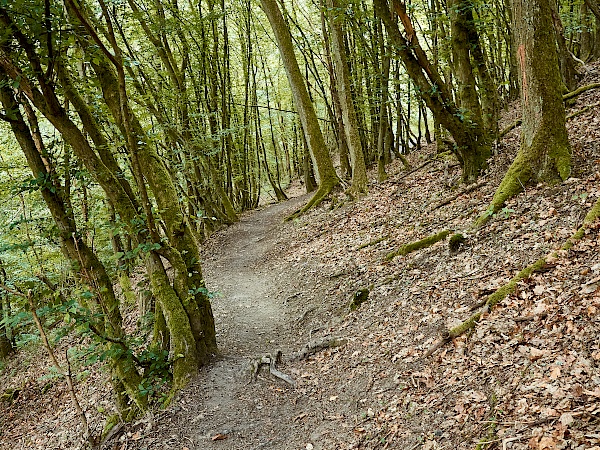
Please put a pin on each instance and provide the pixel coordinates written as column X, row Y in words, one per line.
column 252, row 287
column 240, row 270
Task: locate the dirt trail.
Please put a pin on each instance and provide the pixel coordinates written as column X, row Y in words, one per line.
column 248, row 306
column 253, row 317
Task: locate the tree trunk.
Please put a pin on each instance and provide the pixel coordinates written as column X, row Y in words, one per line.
column 545, row 153
column 338, row 51
column 338, row 120
column 565, row 59
column 585, row 51
column 467, row 101
column 6, row 347
column 310, row 124
column 471, row 149
column 487, row 87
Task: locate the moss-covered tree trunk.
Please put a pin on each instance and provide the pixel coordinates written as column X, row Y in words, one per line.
column 342, row 76
column 566, row 62
column 470, row 141
column 545, row 153
column 85, row 263
column 325, row 171
column 468, row 98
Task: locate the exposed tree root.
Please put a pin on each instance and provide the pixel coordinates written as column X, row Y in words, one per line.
column 580, row 91
column 373, row 242
column 321, row 194
column 581, row 111
column 316, row 346
column 423, row 243
column 426, row 163
column 509, row 287
column 510, row 127
column 271, row 362
column 405, row 161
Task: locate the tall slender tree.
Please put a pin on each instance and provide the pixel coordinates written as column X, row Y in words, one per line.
column 327, row 177
column 344, row 90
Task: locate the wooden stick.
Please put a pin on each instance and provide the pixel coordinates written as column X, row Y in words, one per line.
column 67, row 374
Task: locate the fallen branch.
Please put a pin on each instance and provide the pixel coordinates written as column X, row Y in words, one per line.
column 425, row 164
column 65, row 373
column 466, row 190
column 509, row 288
column 423, row 243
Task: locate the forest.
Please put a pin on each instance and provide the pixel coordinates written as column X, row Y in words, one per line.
column 317, row 224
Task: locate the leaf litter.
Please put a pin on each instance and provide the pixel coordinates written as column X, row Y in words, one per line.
column 527, row 377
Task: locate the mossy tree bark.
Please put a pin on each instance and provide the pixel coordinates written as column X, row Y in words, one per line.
column 85, row 262
column 471, row 147
column 594, row 6
column 327, row 178
column 346, row 168
column 342, row 76
column 545, row 153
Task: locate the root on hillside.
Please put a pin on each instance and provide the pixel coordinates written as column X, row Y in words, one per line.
column 319, row 196
column 464, row 191
column 418, row 245
column 316, row 346
column 500, row 294
column 567, row 96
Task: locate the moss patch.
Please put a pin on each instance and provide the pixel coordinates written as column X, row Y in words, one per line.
column 418, row 245
column 456, row 240
column 359, row 298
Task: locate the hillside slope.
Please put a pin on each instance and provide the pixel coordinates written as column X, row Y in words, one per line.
column 527, row 377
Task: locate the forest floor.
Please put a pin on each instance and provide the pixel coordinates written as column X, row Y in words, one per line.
column 528, row 376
